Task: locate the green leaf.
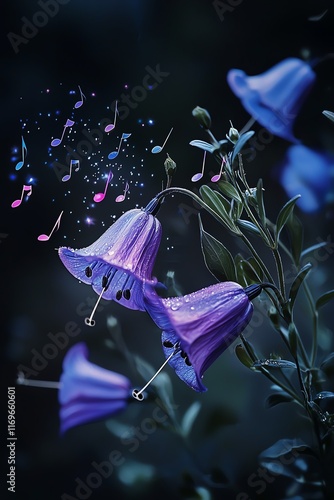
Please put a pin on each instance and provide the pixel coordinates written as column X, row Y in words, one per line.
column 326, row 297
column 296, row 233
column 243, row 356
column 274, row 363
column 249, row 226
column 260, row 202
column 313, row 248
column 257, row 270
column 329, row 115
column 235, row 210
column 276, row 399
column 241, row 277
column 224, row 201
column 202, row 145
column 212, row 199
column 297, row 282
column 250, row 272
column 229, row 190
column 240, row 144
column 217, row 258
column 189, row 417
column 284, row 214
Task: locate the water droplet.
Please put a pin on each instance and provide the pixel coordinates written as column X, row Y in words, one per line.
column 175, row 307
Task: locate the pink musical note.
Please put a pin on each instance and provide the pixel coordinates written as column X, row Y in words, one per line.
column 24, row 149
column 111, row 126
column 217, row 177
column 121, row 197
column 113, row 154
column 56, row 142
column 45, row 237
column 158, row 149
column 199, row 176
column 17, row 203
column 100, row 196
column 67, row 177
column 78, row 104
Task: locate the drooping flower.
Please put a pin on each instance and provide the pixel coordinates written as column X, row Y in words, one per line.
column 87, row 391
column 309, row 173
column 275, row 97
column 197, row 328
column 120, row 261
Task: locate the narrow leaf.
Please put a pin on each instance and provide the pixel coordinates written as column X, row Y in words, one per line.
column 189, row 417
column 229, row 190
column 240, row 144
column 202, row 145
column 212, row 199
column 293, row 339
column 243, row 356
column 313, row 248
column 284, row 214
column 326, row 297
column 274, row 363
column 250, row 272
column 249, row 226
column 327, row 365
column 260, row 202
column 276, row 399
column 329, row 115
column 298, row 281
column 296, row 233
column 217, row 258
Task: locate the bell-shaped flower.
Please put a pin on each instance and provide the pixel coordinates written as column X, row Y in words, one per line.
column 120, row 261
column 309, row 173
column 87, row 391
column 197, row 328
column 275, row 97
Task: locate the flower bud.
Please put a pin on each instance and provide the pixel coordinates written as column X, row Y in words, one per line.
column 170, row 166
column 233, row 134
column 202, row 116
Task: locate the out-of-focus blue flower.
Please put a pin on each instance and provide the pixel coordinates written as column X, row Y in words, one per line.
column 121, row 260
column 275, row 97
column 87, row 391
column 198, row 327
column 309, row 173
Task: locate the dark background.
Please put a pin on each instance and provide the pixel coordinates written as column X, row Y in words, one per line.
column 103, row 46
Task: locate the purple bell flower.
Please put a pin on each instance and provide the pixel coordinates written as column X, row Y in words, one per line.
column 119, row 262
column 275, row 97
column 309, row 173
column 89, row 392
column 197, row 328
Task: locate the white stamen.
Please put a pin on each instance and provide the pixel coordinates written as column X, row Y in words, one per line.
column 90, row 321
column 138, row 394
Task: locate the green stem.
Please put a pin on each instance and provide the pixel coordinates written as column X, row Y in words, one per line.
column 314, row 313
column 280, row 273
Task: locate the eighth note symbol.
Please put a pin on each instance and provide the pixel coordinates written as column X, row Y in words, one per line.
column 121, row 197
column 17, row 203
column 56, row 142
column 111, row 126
column 78, row 104
column 24, row 149
column 46, row 237
column 113, row 154
column 100, row 196
column 199, row 176
column 67, row 177
column 217, row 177
column 158, row 149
